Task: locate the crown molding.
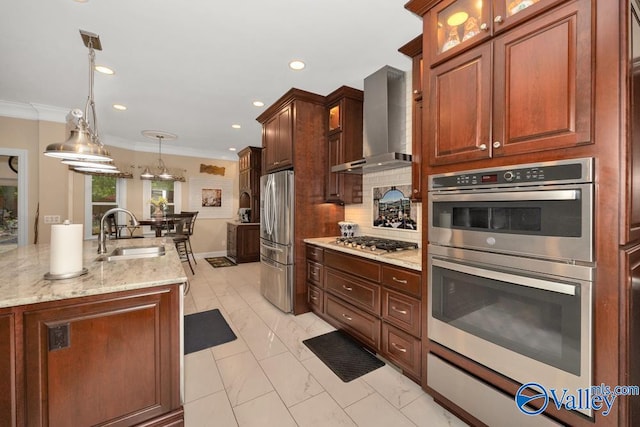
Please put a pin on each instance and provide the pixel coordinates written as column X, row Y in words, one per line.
column 33, row 111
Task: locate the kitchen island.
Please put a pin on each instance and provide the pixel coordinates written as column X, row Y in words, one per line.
column 101, row 348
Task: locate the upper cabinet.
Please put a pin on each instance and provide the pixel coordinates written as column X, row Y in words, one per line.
column 284, row 122
column 523, row 91
column 250, row 170
column 414, row 50
column 456, row 25
column 344, row 113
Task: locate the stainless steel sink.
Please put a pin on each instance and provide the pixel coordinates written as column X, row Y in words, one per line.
column 133, row 252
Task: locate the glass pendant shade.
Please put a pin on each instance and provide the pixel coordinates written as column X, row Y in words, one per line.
column 79, row 146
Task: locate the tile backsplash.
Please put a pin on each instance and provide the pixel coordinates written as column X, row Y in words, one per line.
column 362, row 214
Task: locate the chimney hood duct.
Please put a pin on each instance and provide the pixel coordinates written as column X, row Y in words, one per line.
column 384, row 136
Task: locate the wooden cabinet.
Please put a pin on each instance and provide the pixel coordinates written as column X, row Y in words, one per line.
column 243, row 242
column 250, row 170
column 532, row 95
column 344, row 107
column 277, row 140
column 377, row 303
column 414, row 50
column 7, row 369
column 111, row 359
column 457, row 25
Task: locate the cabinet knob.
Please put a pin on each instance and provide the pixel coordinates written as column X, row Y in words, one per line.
column 482, row 147
column 498, row 19
column 416, row 91
column 484, row 26
column 497, row 144
column 415, row 190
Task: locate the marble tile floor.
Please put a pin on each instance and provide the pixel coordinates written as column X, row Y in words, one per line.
column 267, row 377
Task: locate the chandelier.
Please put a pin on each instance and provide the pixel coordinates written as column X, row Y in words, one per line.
column 83, row 150
column 161, row 171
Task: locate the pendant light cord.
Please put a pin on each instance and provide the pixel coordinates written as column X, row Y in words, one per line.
column 90, row 102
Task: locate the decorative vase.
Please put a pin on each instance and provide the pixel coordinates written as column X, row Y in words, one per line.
column 158, row 212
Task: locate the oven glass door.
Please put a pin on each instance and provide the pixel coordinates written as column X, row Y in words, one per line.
column 512, row 320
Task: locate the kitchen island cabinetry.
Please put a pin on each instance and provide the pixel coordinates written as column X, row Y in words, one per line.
column 533, row 94
column 376, row 303
column 344, row 144
column 104, row 348
column 113, row 359
column 243, row 242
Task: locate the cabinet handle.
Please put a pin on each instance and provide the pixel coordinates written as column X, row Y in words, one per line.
column 497, row 144
column 416, row 91
column 347, row 317
column 314, row 273
column 484, row 26
column 399, row 347
column 346, row 288
column 415, row 190
column 483, row 147
column 314, row 298
column 404, row 282
column 398, row 310
column 498, row 19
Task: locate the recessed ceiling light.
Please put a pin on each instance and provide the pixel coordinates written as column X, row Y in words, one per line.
column 81, row 1
column 232, row 149
column 236, row 126
column 120, row 107
column 104, row 70
column 258, row 103
column 296, row 65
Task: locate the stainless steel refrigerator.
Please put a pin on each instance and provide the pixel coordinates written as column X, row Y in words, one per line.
column 276, row 239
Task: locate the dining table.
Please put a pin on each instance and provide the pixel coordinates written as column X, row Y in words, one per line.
column 159, row 223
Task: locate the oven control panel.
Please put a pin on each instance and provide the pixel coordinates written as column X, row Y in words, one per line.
column 571, row 171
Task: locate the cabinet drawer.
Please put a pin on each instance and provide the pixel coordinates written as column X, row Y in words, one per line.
column 402, row 349
column 315, row 253
column 362, row 325
column 358, row 292
column 402, row 311
column 314, row 273
column 353, row 264
column 402, row 280
column 315, row 298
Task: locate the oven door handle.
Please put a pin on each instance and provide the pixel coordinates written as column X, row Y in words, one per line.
column 561, row 288
column 509, row 196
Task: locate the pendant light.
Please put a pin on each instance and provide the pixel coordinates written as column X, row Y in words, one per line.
column 163, row 174
column 84, row 142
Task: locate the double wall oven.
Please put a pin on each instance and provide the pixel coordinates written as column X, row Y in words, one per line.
column 511, row 268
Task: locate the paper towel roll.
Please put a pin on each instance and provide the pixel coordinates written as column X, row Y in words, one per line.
column 66, row 249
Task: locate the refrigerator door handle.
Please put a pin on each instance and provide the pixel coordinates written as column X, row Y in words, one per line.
column 271, row 264
column 273, row 248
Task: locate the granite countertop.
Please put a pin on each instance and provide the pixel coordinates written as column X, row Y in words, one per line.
column 22, row 272
column 410, row 258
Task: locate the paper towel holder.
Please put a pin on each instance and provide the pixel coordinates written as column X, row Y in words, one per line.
column 50, row 276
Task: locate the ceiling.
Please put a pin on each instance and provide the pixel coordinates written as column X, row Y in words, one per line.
column 194, row 67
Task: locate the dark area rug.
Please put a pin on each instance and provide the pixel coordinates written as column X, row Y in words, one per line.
column 344, row 356
column 220, row 262
column 205, row 329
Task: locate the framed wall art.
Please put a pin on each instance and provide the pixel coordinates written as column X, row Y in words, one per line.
column 211, row 197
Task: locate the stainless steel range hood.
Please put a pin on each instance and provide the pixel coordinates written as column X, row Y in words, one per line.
column 384, row 124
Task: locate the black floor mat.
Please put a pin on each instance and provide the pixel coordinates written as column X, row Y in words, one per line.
column 345, row 357
column 205, row 329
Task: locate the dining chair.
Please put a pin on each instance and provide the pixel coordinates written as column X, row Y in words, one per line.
column 190, row 220
column 180, row 238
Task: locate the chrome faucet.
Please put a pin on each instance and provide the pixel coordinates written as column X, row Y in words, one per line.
column 102, row 244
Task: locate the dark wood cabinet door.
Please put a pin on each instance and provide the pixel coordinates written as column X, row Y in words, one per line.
column 111, row 361
column 460, row 108
column 244, row 180
column 248, row 243
column 232, row 238
column 270, row 143
column 7, row 370
column 416, row 152
column 542, row 83
column 284, row 141
column 335, row 181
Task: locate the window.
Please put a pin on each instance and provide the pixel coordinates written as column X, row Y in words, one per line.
column 170, row 190
column 103, row 194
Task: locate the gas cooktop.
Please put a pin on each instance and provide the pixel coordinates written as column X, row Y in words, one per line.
column 375, row 244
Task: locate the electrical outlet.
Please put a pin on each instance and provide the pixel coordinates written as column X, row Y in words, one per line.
column 52, row 219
